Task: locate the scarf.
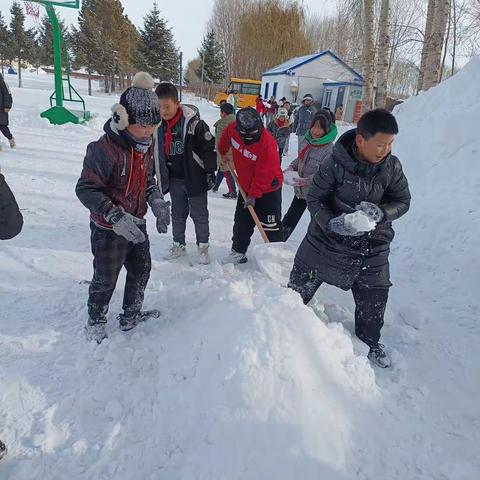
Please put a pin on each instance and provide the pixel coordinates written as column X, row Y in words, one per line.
column 318, row 142
column 139, row 144
column 168, row 133
column 281, row 123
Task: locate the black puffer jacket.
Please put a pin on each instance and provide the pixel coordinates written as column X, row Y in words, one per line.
column 200, row 158
column 341, row 183
column 5, row 101
column 11, row 220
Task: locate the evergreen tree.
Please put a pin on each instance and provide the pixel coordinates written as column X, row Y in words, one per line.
column 158, row 53
column 5, row 43
column 18, row 36
column 213, row 59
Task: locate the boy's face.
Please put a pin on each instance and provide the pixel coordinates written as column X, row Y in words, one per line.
column 286, row 105
column 143, row 132
column 376, row 148
column 168, row 108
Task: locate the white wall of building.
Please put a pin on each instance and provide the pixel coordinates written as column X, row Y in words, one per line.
column 309, row 78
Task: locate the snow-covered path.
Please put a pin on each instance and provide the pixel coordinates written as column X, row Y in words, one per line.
column 238, row 379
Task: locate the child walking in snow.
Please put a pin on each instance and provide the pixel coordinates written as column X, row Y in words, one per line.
column 280, row 129
column 186, row 162
column 115, row 185
column 358, row 191
column 226, row 118
column 319, row 138
column 255, row 155
column 5, row 106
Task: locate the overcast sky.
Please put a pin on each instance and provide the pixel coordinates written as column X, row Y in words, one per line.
column 188, row 18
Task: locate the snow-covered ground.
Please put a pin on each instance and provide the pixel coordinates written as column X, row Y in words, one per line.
column 239, row 380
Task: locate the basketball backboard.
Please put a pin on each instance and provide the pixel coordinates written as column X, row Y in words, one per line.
column 59, row 3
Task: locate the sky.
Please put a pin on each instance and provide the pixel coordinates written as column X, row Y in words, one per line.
column 188, row 18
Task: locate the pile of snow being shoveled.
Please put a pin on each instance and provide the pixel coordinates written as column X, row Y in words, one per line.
column 238, row 379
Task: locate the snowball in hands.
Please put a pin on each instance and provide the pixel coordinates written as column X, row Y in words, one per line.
column 290, row 177
column 359, row 222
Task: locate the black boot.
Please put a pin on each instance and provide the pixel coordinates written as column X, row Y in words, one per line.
column 3, row 450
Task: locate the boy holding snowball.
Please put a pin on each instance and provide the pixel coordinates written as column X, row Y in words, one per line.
column 354, row 197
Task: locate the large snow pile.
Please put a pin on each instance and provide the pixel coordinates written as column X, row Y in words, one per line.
column 238, row 379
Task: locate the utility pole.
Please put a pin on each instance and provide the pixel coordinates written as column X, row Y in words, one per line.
column 181, row 74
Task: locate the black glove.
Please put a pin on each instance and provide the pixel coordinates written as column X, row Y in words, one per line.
column 161, row 210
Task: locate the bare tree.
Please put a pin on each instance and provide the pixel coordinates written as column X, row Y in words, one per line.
column 427, row 37
column 383, row 57
column 224, row 20
column 431, row 75
column 368, row 55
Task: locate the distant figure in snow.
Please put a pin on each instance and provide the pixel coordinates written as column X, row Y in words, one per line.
column 272, row 107
column 226, row 118
column 260, row 107
column 358, row 191
column 279, row 127
column 303, row 119
column 117, row 185
column 6, row 102
column 232, row 100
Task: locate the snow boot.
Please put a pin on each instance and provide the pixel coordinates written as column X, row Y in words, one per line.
column 235, row 258
column 96, row 330
column 127, row 321
column 378, row 356
column 12, row 143
column 3, row 450
column 230, row 195
column 176, row 251
column 204, row 257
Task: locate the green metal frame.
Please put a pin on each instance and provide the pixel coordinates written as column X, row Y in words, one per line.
column 57, row 114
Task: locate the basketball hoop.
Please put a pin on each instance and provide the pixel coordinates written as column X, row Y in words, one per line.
column 32, row 9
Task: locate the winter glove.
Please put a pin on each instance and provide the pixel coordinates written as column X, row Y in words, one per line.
column 351, row 224
column 373, row 211
column 125, row 225
column 301, row 182
column 249, row 202
column 210, row 180
column 161, row 210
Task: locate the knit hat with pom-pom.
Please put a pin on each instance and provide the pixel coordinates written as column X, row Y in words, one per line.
column 138, row 104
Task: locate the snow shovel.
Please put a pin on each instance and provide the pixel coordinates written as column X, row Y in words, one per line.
column 250, row 208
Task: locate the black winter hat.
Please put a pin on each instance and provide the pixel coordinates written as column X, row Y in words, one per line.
column 138, row 104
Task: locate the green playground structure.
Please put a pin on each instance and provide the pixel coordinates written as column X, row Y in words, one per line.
column 64, row 92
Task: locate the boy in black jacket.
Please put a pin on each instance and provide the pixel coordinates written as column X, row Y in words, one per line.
column 5, row 106
column 355, row 196
column 186, row 162
column 11, row 220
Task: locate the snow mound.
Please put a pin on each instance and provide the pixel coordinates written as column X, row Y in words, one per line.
column 439, row 146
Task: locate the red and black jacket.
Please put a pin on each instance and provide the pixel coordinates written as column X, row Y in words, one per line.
column 257, row 165
column 114, row 174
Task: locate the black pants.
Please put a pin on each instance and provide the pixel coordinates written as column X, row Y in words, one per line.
column 280, row 153
column 6, row 131
column 269, row 211
column 293, row 216
column 370, row 303
column 111, row 252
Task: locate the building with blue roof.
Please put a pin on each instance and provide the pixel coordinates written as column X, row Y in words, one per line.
column 324, row 75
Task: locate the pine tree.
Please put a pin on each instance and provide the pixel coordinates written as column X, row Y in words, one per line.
column 158, row 53
column 213, row 59
column 5, row 43
column 18, row 36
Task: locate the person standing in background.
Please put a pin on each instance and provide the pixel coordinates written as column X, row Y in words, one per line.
column 6, row 103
